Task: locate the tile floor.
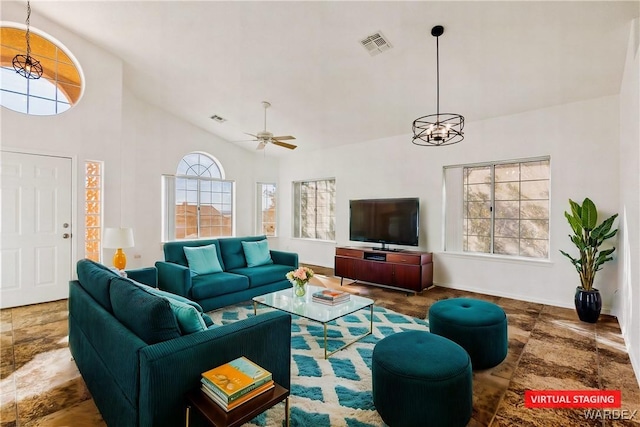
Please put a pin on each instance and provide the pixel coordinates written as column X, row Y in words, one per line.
column 549, row 348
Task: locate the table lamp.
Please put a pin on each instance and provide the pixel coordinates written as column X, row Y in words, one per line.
column 118, row 238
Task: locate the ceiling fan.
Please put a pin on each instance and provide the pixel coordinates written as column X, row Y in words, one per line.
column 265, row 137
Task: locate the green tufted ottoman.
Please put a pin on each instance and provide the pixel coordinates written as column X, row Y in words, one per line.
column 480, row 327
column 421, row 380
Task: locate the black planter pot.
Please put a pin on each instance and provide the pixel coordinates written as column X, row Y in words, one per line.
column 588, row 304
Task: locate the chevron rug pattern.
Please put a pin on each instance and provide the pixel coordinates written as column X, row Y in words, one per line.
column 334, row 392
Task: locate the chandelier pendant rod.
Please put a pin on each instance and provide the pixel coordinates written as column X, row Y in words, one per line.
column 438, row 81
column 27, row 35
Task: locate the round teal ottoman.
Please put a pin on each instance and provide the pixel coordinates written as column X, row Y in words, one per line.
column 421, row 380
column 480, row 327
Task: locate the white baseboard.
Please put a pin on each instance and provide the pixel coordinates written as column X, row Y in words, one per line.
column 554, row 303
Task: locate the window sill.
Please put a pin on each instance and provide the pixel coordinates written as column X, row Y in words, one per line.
column 307, row 239
column 497, row 258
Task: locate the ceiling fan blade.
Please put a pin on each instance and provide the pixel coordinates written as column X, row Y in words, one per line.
column 261, row 145
column 284, row 138
column 283, row 144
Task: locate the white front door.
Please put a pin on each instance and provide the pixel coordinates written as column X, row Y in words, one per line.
column 35, row 228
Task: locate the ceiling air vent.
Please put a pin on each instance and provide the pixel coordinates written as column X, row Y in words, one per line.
column 218, row 119
column 376, row 43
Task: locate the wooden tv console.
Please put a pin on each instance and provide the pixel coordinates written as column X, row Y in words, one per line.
column 406, row 270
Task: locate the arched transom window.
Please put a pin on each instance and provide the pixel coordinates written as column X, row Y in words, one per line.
column 199, row 164
column 61, row 84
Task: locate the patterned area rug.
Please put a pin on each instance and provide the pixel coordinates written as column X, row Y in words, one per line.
column 334, row 392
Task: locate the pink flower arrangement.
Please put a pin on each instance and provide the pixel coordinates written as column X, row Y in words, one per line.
column 300, row 276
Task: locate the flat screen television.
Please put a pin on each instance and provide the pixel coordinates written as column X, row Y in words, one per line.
column 386, row 221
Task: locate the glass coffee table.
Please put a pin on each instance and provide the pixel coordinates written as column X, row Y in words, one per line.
column 285, row 300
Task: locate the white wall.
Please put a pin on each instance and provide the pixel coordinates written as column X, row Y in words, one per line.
column 394, row 167
column 627, row 302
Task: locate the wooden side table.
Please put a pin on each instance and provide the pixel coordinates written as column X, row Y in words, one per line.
column 218, row 417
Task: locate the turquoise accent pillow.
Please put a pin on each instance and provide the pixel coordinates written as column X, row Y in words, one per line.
column 168, row 295
column 189, row 320
column 183, row 315
column 257, row 253
column 207, row 320
column 203, row 259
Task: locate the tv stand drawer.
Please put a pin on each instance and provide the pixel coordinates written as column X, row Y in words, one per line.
column 352, row 253
column 403, row 259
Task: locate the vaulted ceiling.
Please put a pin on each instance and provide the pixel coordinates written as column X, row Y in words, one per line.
column 197, row 59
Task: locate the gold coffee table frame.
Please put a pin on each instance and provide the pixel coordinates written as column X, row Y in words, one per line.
column 304, row 306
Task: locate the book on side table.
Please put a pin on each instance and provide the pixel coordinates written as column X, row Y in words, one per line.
column 236, row 382
column 330, row 297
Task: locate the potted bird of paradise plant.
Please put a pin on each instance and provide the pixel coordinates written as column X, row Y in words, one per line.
column 588, row 236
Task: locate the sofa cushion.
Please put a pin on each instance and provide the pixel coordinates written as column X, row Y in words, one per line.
column 206, row 286
column 203, row 259
column 257, row 253
column 95, row 278
column 264, row 274
column 187, row 323
column 174, row 251
column 148, row 316
column 232, row 252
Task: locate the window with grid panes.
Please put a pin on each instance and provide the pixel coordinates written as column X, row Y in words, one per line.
column 498, row 208
column 198, row 201
column 93, row 210
column 314, row 209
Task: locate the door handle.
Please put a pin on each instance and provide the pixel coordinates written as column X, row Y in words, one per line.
column 66, row 235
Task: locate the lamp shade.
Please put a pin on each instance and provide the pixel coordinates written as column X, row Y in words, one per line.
column 116, row 238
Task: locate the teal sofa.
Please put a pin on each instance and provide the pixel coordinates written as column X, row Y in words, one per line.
column 235, row 283
column 137, row 360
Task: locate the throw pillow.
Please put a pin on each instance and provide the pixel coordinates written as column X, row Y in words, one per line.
column 189, row 320
column 257, row 253
column 203, row 259
column 169, row 295
column 183, row 316
column 207, row 320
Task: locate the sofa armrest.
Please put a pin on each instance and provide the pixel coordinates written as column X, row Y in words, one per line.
column 285, row 258
column 171, row 368
column 174, row 278
column 146, row 275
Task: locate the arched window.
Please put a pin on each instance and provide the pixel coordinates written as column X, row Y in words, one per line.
column 61, row 84
column 199, row 164
column 198, row 200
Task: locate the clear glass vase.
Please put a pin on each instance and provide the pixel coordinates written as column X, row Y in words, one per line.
column 299, row 289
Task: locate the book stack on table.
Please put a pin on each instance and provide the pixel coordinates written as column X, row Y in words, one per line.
column 234, row 383
column 330, row 297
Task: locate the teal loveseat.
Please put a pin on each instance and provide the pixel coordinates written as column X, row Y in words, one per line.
column 236, row 282
column 137, row 359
